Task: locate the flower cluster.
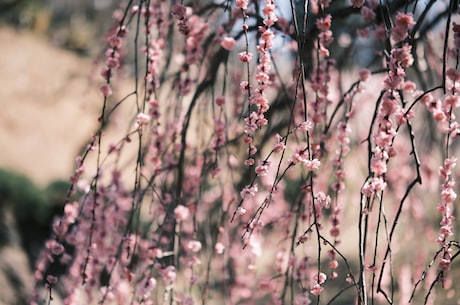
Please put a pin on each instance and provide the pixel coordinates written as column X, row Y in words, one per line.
column 113, row 57
column 448, row 196
column 403, row 23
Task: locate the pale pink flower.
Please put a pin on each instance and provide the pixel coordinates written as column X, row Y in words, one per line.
column 306, row 126
column 194, row 246
column 105, row 90
column 367, row 13
column 323, row 200
column 453, row 101
column 57, row 249
column 51, row 279
column 143, row 118
column 279, row 145
column 181, row 212
column 169, row 274
column 403, row 23
column 409, row 86
column 245, row 56
column 220, row 100
column 249, row 191
column 242, row 4
column 444, row 264
column 145, row 287
column 262, row 168
column 178, row 11
column 241, row 211
column 302, row 299
column 316, row 289
column 228, row 43
column 320, row 278
column 334, row 264
column 364, row 74
column 312, row 165
column 219, row 248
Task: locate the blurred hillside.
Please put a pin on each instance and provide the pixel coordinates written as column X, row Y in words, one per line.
column 49, row 105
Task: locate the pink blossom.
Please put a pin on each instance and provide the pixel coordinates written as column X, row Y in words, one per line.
column 444, row 264
column 245, row 56
column 249, row 191
column 320, row 278
column 242, row 4
column 145, row 287
column 334, row 264
column 228, row 43
column 279, row 145
column 316, row 289
column 323, row 200
column 169, row 274
column 178, row 11
column 143, row 119
column 57, row 249
column 334, row 231
column 51, row 279
column 367, row 13
column 194, row 246
column 453, row 101
column 302, row 299
column 181, row 212
column 241, row 211
column 306, row 126
column 364, row 74
column 262, row 168
column 105, row 90
column 220, row 100
column 403, row 23
column 219, row 248
column 409, row 86
column 312, row 165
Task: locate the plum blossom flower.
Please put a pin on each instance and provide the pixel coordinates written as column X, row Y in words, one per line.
column 145, row 287
column 312, row 165
column 242, row 4
column 105, row 90
column 262, row 168
column 219, row 248
column 181, row 212
column 228, row 43
column 169, row 274
column 245, row 56
column 367, row 13
column 249, row 191
column 142, row 119
column 220, row 100
column 194, row 246
column 316, row 289
column 364, row 74
column 279, row 145
column 178, row 11
column 302, row 299
column 403, row 23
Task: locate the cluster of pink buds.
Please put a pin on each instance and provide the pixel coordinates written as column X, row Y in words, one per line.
column 112, row 61
column 448, row 196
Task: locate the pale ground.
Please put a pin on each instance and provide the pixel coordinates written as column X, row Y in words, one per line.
column 48, row 106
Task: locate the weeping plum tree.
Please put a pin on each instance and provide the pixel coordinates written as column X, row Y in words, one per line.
column 274, row 152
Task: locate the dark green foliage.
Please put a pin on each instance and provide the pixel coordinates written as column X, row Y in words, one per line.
column 27, row 212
